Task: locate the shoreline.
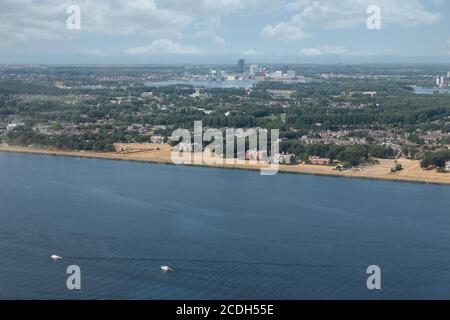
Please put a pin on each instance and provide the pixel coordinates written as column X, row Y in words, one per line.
column 160, row 154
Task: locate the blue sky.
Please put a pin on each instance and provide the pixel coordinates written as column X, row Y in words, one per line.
column 221, row 31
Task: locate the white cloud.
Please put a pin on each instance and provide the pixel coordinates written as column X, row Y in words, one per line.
column 288, row 31
column 27, row 20
column 330, row 50
column 219, row 7
column 310, row 52
column 209, row 29
column 324, row 50
column 218, row 40
column 23, row 20
column 120, row 17
column 92, row 52
column 164, row 47
column 252, row 53
column 331, row 14
column 202, row 7
column 333, row 49
column 350, row 13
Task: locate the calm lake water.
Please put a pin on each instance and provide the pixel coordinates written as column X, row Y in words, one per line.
column 423, row 90
column 228, row 234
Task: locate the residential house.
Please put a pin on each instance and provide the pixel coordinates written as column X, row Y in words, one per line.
column 157, row 139
column 188, row 147
column 12, row 126
column 256, row 155
column 319, row 161
column 447, row 166
column 288, row 159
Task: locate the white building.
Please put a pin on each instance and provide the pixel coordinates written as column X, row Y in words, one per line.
column 188, row 147
column 447, row 166
column 440, row 82
column 290, row 74
column 288, row 159
column 12, row 126
column 277, row 75
column 254, row 69
column 157, row 139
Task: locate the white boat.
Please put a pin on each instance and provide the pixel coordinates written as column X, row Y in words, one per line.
column 166, row 269
column 55, row 257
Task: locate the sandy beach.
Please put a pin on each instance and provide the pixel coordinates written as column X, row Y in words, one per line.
column 161, row 153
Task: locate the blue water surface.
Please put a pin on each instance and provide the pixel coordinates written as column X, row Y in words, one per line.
column 227, row 234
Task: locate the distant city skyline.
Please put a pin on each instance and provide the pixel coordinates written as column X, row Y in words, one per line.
column 223, row 31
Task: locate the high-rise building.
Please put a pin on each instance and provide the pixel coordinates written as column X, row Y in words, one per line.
column 290, row 74
column 254, row 69
column 448, row 74
column 440, row 82
column 241, row 65
column 277, row 75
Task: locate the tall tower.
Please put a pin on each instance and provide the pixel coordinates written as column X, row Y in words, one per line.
column 241, row 65
column 254, row 69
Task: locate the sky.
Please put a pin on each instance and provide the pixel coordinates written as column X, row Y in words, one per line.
column 222, row 31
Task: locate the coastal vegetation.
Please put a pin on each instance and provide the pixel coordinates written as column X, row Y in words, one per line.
column 436, row 159
column 350, row 114
column 351, row 154
column 25, row 136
